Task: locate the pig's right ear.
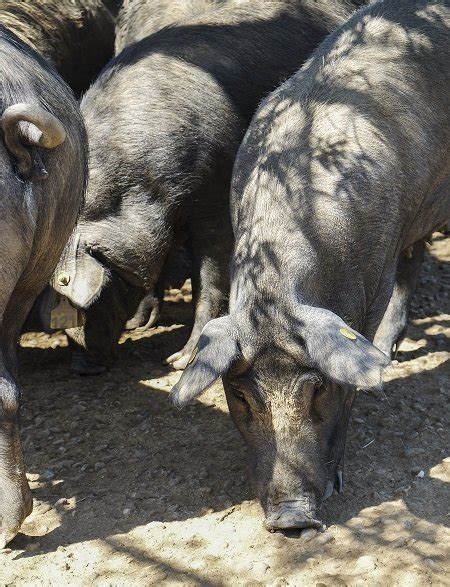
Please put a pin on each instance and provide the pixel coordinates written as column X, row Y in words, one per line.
column 216, row 351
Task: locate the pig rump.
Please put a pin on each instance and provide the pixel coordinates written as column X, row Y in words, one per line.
column 77, row 36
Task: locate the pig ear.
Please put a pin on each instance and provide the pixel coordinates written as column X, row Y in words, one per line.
column 340, row 352
column 216, row 350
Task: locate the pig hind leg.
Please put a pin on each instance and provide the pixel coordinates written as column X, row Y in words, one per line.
column 393, row 326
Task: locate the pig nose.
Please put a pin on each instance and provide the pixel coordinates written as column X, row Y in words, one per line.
column 291, row 514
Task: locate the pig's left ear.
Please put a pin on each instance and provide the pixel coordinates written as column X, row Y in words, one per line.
column 216, row 350
column 338, row 351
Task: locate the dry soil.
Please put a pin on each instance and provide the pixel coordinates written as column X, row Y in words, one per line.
column 128, row 490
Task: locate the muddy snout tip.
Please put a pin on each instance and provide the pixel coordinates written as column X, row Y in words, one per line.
column 288, row 516
column 294, row 523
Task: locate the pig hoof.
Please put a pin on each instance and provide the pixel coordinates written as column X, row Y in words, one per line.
column 133, row 324
column 6, row 537
column 139, row 325
column 178, row 360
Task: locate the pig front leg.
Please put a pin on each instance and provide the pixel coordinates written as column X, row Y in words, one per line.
column 212, row 242
column 393, row 325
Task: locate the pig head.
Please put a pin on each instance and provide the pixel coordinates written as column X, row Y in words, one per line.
column 106, row 299
column 290, row 390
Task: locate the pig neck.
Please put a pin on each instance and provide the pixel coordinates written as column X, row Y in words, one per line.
column 312, row 254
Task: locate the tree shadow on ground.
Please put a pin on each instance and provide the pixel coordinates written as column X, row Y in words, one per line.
column 159, row 464
column 165, row 466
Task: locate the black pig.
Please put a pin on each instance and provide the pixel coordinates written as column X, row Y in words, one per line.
column 43, row 164
column 342, row 174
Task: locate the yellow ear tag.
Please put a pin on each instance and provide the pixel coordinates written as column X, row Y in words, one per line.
column 65, row 316
column 345, row 332
column 192, row 357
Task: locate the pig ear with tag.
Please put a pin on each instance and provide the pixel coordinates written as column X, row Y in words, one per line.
column 216, row 350
column 338, row 351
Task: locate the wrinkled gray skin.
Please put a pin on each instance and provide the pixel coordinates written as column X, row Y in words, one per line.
column 342, row 174
column 42, row 178
column 165, row 120
column 138, row 19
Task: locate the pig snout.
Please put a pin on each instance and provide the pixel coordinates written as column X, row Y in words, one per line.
column 288, row 499
column 292, row 513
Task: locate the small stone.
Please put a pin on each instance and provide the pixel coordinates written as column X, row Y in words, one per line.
column 44, row 509
column 33, row 476
column 413, row 452
column 432, row 564
column 365, row 563
column 421, row 474
column 403, row 490
column 260, row 568
column 48, row 475
column 308, row 534
column 65, row 464
column 126, row 511
column 325, row 538
column 155, row 524
column 399, row 542
column 62, row 501
column 415, row 470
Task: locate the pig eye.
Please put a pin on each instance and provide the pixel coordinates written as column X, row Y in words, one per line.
column 319, row 394
column 319, row 389
column 240, row 396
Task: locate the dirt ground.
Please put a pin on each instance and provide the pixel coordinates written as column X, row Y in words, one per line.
column 128, row 490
